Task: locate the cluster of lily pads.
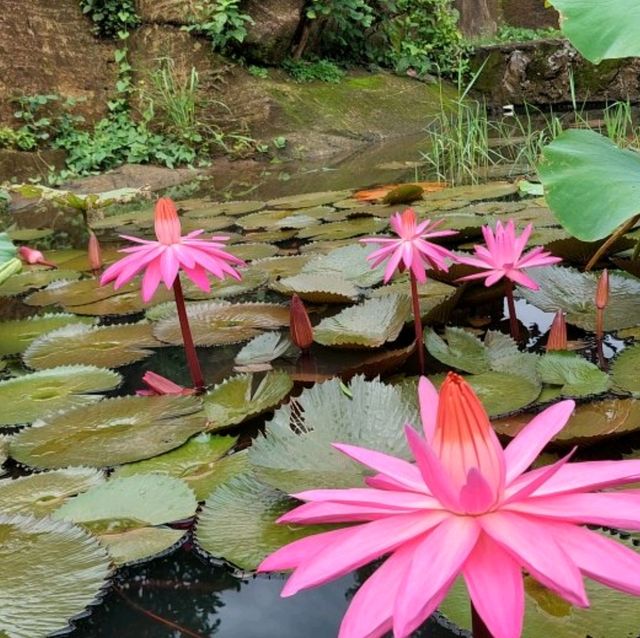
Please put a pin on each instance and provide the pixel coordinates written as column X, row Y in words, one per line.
column 98, row 477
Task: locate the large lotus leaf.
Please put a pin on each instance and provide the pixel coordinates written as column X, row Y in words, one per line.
column 266, row 348
column 577, row 376
column 367, row 325
column 590, row 423
column 575, row 292
column 601, row 30
column 109, row 433
column 107, row 346
column 253, row 251
column 50, row 573
column 128, row 303
column 34, row 278
column 287, row 266
column 77, row 293
column 122, row 513
column 244, row 396
column 16, row 335
column 307, row 200
column 215, row 324
column 238, row 522
column 625, row 371
column 202, row 463
column 39, row 494
column 349, row 263
column 591, row 185
column 252, row 278
column 32, row 396
column 297, row 452
column 345, row 229
column 317, row 288
column 233, row 208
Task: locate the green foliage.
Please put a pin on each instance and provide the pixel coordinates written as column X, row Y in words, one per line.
column 110, row 16
column 319, row 70
column 258, row 71
column 19, row 139
column 222, row 21
column 508, row 33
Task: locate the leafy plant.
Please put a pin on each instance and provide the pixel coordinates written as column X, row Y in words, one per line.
column 110, row 16
column 222, row 21
column 19, row 139
column 258, row 71
column 319, row 70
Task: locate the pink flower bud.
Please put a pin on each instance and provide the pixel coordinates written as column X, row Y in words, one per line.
column 159, row 385
column 558, row 333
column 33, row 256
column 300, row 324
column 602, row 291
column 95, row 253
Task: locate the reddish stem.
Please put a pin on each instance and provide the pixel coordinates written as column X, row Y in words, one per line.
column 187, row 338
column 511, row 305
column 478, row 628
column 417, row 321
column 602, row 362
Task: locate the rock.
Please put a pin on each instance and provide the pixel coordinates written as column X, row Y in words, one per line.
column 20, row 166
column 529, row 14
column 46, row 46
column 478, row 17
column 176, row 12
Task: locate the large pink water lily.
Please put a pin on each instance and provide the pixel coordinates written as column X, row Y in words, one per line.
column 411, row 247
column 465, row 507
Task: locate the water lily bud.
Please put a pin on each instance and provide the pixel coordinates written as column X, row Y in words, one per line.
column 95, row 253
column 33, row 256
column 558, row 333
column 300, row 324
column 602, row 291
column 159, row 385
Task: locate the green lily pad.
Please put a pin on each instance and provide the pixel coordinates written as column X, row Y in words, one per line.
column 42, row 596
column 16, row 335
column 297, row 452
column 29, row 234
column 77, row 293
column 348, row 263
column 461, row 350
column 352, row 227
column 307, row 200
column 216, row 323
column 577, row 376
column 317, row 288
column 270, row 218
column 266, row 348
column 252, row 278
column 238, row 522
column 34, row 278
column 575, row 292
column 624, row 372
column 124, row 514
column 121, row 305
column 203, row 463
column 367, row 325
column 109, row 433
column 208, row 224
column 7, row 250
column 106, row 346
column 253, row 251
column 233, row 208
column 474, row 193
column 40, row 494
column 288, row 266
column 32, row 396
column 244, row 396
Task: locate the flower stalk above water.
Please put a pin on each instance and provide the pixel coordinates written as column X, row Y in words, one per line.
column 602, row 301
column 466, row 507
column 163, row 259
column 412, row 251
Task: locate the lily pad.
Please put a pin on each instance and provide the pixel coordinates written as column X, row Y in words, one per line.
column 77, row 293
column 203, row 463
column 4, row 452
column 269, row 218
column 461, row 350
column 577, row 376
column 297, row 452
column 238, row 522
column 124, row 514
column 253, row 251
column 346, row 229
column 367, row 325
column 34, row 278
column 348, row 263
column 244, row 396
column 16, row 335
column 32, row 396
column 282, row 266
column 266, row 348
column 234, row 208
column 42, row 493
column 307, row 200
column 215, row 324
column 624, row 373
column 109, row 433
column 317, row 288
column 474, row 193
column 252, row 278
column 107, row 346
column 121, row 305
column 42, row 596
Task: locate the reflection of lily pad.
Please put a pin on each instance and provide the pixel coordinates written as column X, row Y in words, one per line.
column 29, row 279
column 577, row 376
column 202, row 463
column 27, row 398
column 107, row 346
column 625, row 371
column 368, row 325
column 243, row 396
column 297, row 451
column 50, row 573
column 124, row 514
column 16, row 335
column 109, row 433
column 40, row 494
column 238, row 522
column 317, row 288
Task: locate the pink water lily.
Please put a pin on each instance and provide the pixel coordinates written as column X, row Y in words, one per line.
column 466, row 507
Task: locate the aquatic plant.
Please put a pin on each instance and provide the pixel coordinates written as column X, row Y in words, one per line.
column 299, row 324
column 32, row 256
column 164, row 258
column 413, row 252
column 157, row 385
column 467, row 507
column 602, row 300
column 94, row 253
column 558, row 333
column 502, row 258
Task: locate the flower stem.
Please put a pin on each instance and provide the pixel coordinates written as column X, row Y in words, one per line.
column 602, row 362
column 478, row 628
column 417, row 321
column 187, row 338
column 511, row 304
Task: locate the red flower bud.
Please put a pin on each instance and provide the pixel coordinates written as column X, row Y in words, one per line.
column 95, row 253
column 558, row 333
column 602, row 291
column 300, row 324
column 159, row 385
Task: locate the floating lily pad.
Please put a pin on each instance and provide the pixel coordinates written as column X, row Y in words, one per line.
column 348, row 263
column 219, row 323
column 317, row 288
column 269, row 218
column 266, row 348
column 475, row 193
column 208, row 224
column 367, row 325
column 574, row 292
column 203, row 463
column 16, row 335
column 233, row 208
column 50, row 573
column 238, row 522
column 577, row 376
column 29, row 279
column 624, row 373
column 121, row 305
column 77, row 293
column 32, row 396
column 244, row 396
column 29, row 234
column 42, row 493
column 107, row 346
column 307, row 200
column 297, row 452
column 71, row 259
column 252, row 278
column 124, row 514
column 4, row 452
column 346, row 229
column 282, row 266
column 253, row 251
column 109, row 433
